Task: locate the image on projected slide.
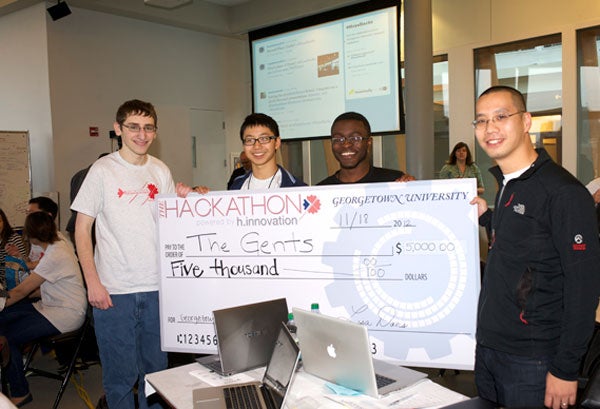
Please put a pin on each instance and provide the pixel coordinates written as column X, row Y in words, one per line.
column 328, row 64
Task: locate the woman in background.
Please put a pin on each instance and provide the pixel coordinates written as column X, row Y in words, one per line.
column 62, row 306
column 7, row 237
column 460, row 165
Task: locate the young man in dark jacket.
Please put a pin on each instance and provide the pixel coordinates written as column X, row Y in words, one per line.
column 260, row 136
column 351, row 142
column 542, row 279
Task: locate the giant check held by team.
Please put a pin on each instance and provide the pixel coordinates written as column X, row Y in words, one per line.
column 399, row 258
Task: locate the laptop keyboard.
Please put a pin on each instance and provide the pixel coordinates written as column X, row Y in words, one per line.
column 241, row 397
column 383, row 381
column 213, row 365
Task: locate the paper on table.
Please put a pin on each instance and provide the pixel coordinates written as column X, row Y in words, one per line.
column 425, row 394
column 148, row 389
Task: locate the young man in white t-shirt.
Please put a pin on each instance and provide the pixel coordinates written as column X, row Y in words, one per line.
column 122, row 275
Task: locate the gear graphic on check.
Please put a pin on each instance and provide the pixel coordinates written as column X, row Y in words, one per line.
column 386, row 286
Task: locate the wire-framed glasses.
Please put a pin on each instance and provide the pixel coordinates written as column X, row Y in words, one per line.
column 499, row 119
column 136, row 128
column 351, row 139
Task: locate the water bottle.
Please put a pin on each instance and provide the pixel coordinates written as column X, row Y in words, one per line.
column 314, row 307
column 291, row 324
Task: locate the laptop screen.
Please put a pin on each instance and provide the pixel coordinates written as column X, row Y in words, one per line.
column 281, row 366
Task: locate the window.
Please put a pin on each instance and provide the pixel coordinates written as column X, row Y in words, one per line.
column 588, row 115
column 534, row 67
column 441, row 132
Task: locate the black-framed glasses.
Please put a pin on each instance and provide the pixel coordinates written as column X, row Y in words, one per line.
column 136, row 128
column 263, row 140
column 340, row 140
column 499, row 119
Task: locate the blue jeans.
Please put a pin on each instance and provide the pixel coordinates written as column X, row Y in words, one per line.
column 128, row 337
column 22, row 323
column 510, row 380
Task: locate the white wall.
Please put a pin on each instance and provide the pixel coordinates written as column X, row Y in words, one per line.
column 98, row 60
column 24, row 89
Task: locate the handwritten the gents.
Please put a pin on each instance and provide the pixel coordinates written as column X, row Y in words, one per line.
column 250, row 243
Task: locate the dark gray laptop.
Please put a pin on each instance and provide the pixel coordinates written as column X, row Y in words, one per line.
column 246, row 335
column 338, row 351
column 270, row 393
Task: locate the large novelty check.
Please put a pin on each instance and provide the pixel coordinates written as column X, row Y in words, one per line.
column 400, row 258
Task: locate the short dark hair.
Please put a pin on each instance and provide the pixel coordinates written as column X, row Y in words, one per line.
column 452, row 158
column 352, row 116
column 7, row 230
column 517, row 96
column 136, row 107
column 259, row 120
column 46, row 205
column 41, row 226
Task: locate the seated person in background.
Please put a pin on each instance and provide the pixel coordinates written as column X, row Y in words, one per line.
column 8, row 237
column 62, row 306
column 37, row 204
column 245, row 167
column 350, row 143
column 460, row 165
column 260, row 135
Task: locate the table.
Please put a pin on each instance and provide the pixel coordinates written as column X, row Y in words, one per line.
column 175, row 385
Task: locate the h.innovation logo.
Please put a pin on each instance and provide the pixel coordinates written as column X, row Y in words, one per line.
column 311, row 204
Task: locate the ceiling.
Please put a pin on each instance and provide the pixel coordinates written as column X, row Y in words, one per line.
column 200, row 15
column 223, row 17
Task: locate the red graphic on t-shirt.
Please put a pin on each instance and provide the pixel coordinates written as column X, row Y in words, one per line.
column 149, row 192
column 153, row 190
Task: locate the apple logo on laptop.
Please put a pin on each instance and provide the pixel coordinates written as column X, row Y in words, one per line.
column 331, row 351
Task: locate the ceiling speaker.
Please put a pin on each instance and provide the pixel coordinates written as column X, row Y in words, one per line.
column 59, row 10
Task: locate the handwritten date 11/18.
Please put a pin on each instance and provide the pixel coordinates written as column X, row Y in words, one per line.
column 354, row 219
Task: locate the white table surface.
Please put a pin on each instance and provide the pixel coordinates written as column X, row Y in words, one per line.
column 175, row 385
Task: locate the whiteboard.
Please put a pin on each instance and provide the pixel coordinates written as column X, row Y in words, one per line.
column 400, row 258
column 15, row 175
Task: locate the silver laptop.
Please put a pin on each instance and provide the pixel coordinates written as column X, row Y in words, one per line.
column 246, row 335
column 338, row 351
column 270, row 393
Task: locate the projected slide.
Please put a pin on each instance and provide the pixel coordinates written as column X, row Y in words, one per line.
column 305, row 78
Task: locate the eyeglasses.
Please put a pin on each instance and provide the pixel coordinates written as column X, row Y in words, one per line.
column 481, row 124
column 136, row 128
column 352, row 139
column 263, row 140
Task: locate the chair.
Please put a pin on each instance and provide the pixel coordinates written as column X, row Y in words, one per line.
column 589, row 374
column 590, row 398
column 74, row 340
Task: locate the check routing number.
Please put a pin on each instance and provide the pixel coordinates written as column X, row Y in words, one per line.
column 399, row 258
